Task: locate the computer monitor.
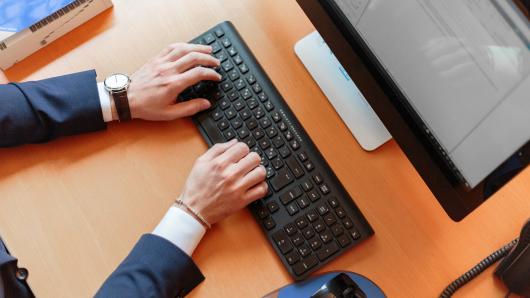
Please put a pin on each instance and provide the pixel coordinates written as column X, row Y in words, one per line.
column 449, row 79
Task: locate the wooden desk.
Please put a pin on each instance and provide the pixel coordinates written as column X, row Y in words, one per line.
column 71, row 210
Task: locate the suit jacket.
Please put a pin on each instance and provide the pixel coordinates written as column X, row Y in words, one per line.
column 36, row 112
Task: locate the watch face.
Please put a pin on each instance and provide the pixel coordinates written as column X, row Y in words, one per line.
column 116, row 81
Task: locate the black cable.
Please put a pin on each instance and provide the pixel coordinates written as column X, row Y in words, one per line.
column 477, row 269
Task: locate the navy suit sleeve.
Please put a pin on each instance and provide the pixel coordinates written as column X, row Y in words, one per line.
column 35, row 112
column 154, row 268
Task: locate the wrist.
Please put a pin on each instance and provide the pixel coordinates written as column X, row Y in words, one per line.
column 185, row 207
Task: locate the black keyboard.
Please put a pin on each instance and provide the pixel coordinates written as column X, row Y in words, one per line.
column 307, row 216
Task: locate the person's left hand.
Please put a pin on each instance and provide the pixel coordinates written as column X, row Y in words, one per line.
column 154, row 88
column 3, row 78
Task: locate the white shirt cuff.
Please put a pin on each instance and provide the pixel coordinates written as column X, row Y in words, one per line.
column 181, row 229
column 104, row 100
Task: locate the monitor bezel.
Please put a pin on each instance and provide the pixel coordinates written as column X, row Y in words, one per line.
column 400, row 119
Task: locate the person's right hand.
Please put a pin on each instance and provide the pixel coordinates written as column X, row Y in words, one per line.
column 224, row 180
column 155, row 86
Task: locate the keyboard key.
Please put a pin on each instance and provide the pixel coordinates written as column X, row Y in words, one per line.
column 243, row 133
column 348, row 224
column 312, row 215
column 324, row 188
column 219, row 32
column 258, row 133
column 305, row 265
column 226, row 86
column 323, row 209
column 276, row 117
column 227, row 66
column 261, row 211
column 318, row 179
column 216, row 47
column 278, row 141
column 240, row 84
column 265, row 122
column 245, row 115
column 238, row 60
column 344, row 240
column 313, row 195
column 223, row 124
column 236, row 123
column 288, row 135
column 327, row 251
column 290, row 195
column 330, row 219
column 308, row 232
column 290, row 229
column 294, row 144
column 257, row 88
column 233, row 95
column 233, row 75
column 301, row 222
column 251, row 79
column 294, row 167
column 284, row 152
column 326, row 236
column 230, row 113
column 269, row 172
column 217, row 115
column 282, row 179
column 246, row 94
column 268, row 106
column 271, row 132
column 232, row 52
column 277, row 163
column 250, row 142
column 252, row 124
column 226, row 42
column 239, row 105
column 340, row 212
column 333, row 202
column 271, row 153
column 209, row 38
column 282, row 241
column 243, row 68
column 303, row 202
column 263, row 96
column 229, row 134
column 319, row 225
column 252, row 103
column 264, row 143
column 315, row 243
column 292, row 257
column 292, row 209
column 269, row 223
column 307, row 185
column 259, row 113
column 302, row 156
column 221, row 56
column 304, row 250
column 337, row 230
column 309, row 166
column 298, row 239
column 355, row 234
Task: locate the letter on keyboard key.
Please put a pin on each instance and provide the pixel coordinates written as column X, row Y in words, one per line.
column 282, row 179
column 327, row 251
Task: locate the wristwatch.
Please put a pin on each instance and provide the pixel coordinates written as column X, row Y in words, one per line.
column 117, row 85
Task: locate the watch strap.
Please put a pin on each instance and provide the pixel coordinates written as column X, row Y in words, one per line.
column 121, row 101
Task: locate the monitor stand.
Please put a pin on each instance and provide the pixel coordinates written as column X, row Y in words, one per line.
column 341, row 92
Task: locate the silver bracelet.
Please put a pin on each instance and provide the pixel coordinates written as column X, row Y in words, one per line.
column 199, row 217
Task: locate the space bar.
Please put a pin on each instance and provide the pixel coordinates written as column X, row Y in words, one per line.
column 207, row 123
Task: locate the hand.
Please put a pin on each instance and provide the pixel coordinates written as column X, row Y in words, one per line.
column 154, row 88
column 224, row 180
column 3, row 78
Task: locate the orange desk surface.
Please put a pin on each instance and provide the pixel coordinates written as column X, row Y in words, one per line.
column 72, row 209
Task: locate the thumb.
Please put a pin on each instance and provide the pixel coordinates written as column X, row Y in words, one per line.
column 188, row 108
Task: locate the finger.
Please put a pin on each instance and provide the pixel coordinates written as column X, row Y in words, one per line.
column 187, row 108
column 194, row 76
column 248, row 163
column 191, row 60
column 254, row 177
column 255, row 193
column 178, row 50
column 219, row 149
column 234, row 154
column 3, row 78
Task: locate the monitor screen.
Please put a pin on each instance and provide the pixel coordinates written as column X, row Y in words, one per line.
column 463, row 68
